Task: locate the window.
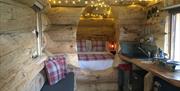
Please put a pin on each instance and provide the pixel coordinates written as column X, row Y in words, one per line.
column 175, row 36
column 38, row 32
column 167, row 37
column 172, row 37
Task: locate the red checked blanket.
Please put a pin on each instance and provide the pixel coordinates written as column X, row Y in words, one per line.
column 89, row 57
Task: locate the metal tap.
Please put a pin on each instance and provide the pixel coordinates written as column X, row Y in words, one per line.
column 148, row 53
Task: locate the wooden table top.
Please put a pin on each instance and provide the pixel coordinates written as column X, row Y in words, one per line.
column 171, row 77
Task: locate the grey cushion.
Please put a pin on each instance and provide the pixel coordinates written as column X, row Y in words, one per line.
column 66, row 84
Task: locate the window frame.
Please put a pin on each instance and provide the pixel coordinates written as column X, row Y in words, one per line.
column 172, row 29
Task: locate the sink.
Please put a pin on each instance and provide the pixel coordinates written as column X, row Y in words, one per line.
column 146, row 60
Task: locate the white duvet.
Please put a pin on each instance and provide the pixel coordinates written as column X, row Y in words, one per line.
column 96, row 64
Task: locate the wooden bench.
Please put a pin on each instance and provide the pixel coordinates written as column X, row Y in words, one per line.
column 66, row 84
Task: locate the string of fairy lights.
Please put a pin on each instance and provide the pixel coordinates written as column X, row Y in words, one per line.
column 97, row 10
column 94, row 8
column 86, row 2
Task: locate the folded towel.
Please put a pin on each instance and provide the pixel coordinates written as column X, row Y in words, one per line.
column 56, row 69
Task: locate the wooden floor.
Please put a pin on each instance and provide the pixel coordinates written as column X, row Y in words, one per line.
column 110, row 86
column 105, row 80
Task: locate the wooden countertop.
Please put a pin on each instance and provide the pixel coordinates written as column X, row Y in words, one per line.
column 171, row 77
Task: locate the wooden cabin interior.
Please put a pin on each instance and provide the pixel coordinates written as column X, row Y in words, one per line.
column 89, row 45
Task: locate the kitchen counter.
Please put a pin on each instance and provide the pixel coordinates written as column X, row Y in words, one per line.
column 171, row 77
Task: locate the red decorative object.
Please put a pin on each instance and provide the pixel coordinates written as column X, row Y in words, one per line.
column 125, row 67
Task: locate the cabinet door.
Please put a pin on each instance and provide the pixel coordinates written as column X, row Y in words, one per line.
column 161, row 85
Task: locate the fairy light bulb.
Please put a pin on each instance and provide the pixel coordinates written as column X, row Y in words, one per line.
column 92, row 2
column 103, row 3
column 54, row 2
column 66, row 1
column 73, row 2
column 115, row 1
column 59, row 2
column 88, row 14
column 86, row 2
column 96, row 8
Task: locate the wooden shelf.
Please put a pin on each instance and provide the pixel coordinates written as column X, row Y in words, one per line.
column 172, row 7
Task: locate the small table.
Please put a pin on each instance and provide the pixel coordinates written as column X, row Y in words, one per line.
column 113, row 52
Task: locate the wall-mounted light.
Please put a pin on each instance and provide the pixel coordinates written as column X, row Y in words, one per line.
column 112, row 46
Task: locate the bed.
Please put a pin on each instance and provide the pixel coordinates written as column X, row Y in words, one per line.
column 93, row 55
column 95, row 61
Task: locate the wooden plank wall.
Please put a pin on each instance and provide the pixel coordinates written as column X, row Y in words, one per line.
column 17, row 42
column 171, row 2
column 61, row 36
column 155, row 25
column 129, row 22
column 96, row 29
column 18, row 69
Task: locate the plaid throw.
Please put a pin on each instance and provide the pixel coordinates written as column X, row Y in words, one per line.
column 89, row 57
column 81, row 45
column 98, row 46
column 55, row 69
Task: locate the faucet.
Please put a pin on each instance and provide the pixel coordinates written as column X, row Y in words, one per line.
column 148, row 53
